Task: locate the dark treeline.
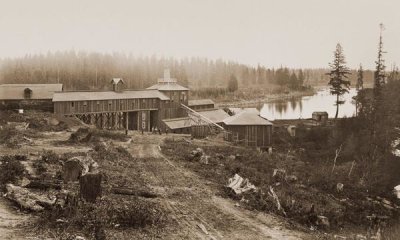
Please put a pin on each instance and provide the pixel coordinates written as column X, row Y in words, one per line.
column 81, row 70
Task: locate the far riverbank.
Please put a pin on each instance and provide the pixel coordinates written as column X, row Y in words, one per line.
column 257, row 100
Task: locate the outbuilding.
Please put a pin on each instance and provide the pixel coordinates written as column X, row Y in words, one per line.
column 321, row 118
column 248, row 128
column 201, row 104
column 28, row 96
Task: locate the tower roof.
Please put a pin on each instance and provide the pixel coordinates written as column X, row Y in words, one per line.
column 167, row 83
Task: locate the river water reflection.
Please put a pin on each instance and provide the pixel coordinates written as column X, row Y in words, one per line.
column 303, row 107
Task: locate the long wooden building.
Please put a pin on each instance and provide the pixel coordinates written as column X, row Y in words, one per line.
column 125, row 109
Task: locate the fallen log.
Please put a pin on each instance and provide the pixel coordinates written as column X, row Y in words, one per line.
column 28, row 200
column 131, row 192
column 43, row 185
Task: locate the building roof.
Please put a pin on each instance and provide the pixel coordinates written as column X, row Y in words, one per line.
column 169, row 86
column 320, row 113
column 117, row 80
column 167, row 83
column 177, row 123
column 199, row 102
column 239, row 110
column 246, row 118
column 215, row 115
column 39, row 91
column 107, row 95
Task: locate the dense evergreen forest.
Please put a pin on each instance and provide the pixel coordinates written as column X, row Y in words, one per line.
column 82, row 70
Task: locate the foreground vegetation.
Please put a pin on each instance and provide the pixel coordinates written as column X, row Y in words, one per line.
column 308, row 188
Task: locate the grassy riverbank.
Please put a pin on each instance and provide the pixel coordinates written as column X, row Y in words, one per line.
column 252, row 98
column 249, row 96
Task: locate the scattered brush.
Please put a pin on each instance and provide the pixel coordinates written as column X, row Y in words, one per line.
column 85, row 135
column 11, row 170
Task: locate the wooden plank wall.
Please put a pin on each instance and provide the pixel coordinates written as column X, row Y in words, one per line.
column 166, row 109
column 115, row 105
column 201, row 107
column 252, row 135
column 200, row 131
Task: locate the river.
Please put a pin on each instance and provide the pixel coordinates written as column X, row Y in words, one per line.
column 303, row 107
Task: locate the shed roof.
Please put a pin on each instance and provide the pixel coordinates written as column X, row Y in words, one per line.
column 39, row 91
column 177, row 123
column 215, row 115
column 199, row 102
column 107, row 95
column 320, row 113
column 239, row 110
column 169, row 86
column 246, row 118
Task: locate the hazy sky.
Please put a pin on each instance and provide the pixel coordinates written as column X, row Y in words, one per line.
column 294, row 33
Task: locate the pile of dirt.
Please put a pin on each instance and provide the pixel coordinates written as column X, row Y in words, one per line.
column 40, row 121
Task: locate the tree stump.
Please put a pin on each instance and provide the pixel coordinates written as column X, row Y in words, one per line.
column 90, row 186
column 72, row 170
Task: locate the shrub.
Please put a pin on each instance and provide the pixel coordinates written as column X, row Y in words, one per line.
column 8, row 136
column 49, row 157
column 11, row 170
column 128, row 212
column 83, row 135
column 134, row 213
column 109, row 134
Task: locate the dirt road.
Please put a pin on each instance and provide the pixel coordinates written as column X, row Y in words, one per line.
column 193, row 204
column 11, row 222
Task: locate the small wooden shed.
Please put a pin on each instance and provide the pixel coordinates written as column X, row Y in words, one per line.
column 249, row 128
column 201, row 104
column 320, row 118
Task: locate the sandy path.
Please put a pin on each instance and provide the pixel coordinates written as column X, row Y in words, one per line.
column 11, row 222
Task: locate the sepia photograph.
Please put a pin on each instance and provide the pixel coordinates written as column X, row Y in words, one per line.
column 199, row 119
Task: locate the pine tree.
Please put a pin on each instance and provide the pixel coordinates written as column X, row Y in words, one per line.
column 359, row 87
column 339, row 76
column 301, row 78
column 394, row 74
column 232, row 84
column 379, row 75
column 293, row 81
column 360, row 78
